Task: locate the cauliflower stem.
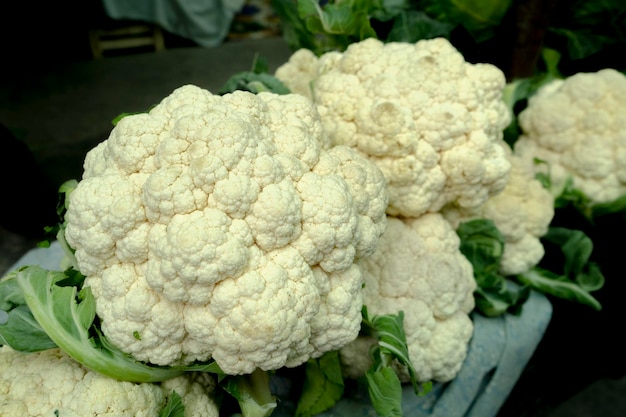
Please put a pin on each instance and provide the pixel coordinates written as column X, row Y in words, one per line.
column 252, row 392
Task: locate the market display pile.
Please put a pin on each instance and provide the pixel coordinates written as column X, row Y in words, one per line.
column 348, row 225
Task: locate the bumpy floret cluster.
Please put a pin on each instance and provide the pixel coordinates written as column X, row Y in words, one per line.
column 419, row 269
column 576, row 126
column 50, row 383
column 431, row 121
column 224, row 227
column 522, row 212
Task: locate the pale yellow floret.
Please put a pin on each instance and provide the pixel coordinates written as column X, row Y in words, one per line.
column 576, row 127
column 50, row 383
column 522, row 212
column 431, row 121
column 419, row 269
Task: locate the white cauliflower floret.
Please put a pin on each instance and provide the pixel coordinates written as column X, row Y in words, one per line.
column 300, row 72
column 225, row 227
column 522, row 212
column 50, row 383
column 430, row 120
column 419, row 269
column 576, row 125
column 194, row 389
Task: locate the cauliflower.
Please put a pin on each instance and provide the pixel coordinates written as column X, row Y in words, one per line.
column 226, row 227
column 432, row 122
column 419, row 269
column 576, row 125
column 522, row 212
column 49, row 383
column 194, row 388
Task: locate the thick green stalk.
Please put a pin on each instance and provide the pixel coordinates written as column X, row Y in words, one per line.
column 253, row 393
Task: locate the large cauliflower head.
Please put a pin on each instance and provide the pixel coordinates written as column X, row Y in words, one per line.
column 576, row 125
column 225, row 227
column 431, row 121
column 522, row 212
column 418, row 268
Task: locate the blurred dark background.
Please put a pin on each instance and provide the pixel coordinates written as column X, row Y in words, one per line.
column 68, row 69
column 58, row 96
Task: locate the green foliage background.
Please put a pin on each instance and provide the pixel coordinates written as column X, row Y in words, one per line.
column 588, row 34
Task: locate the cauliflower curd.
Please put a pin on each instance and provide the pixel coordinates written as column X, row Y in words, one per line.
column 419, row 269
column 50, row 383
column 226, row 227
column 576, row 126
column 432, row 122
column 522, row 212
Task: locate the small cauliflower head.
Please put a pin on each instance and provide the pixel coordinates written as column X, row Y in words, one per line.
column 576, row 126
column 431, row 121
column 225, row 227
column 419, row 269
column 522, row 212
column 50, row 383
